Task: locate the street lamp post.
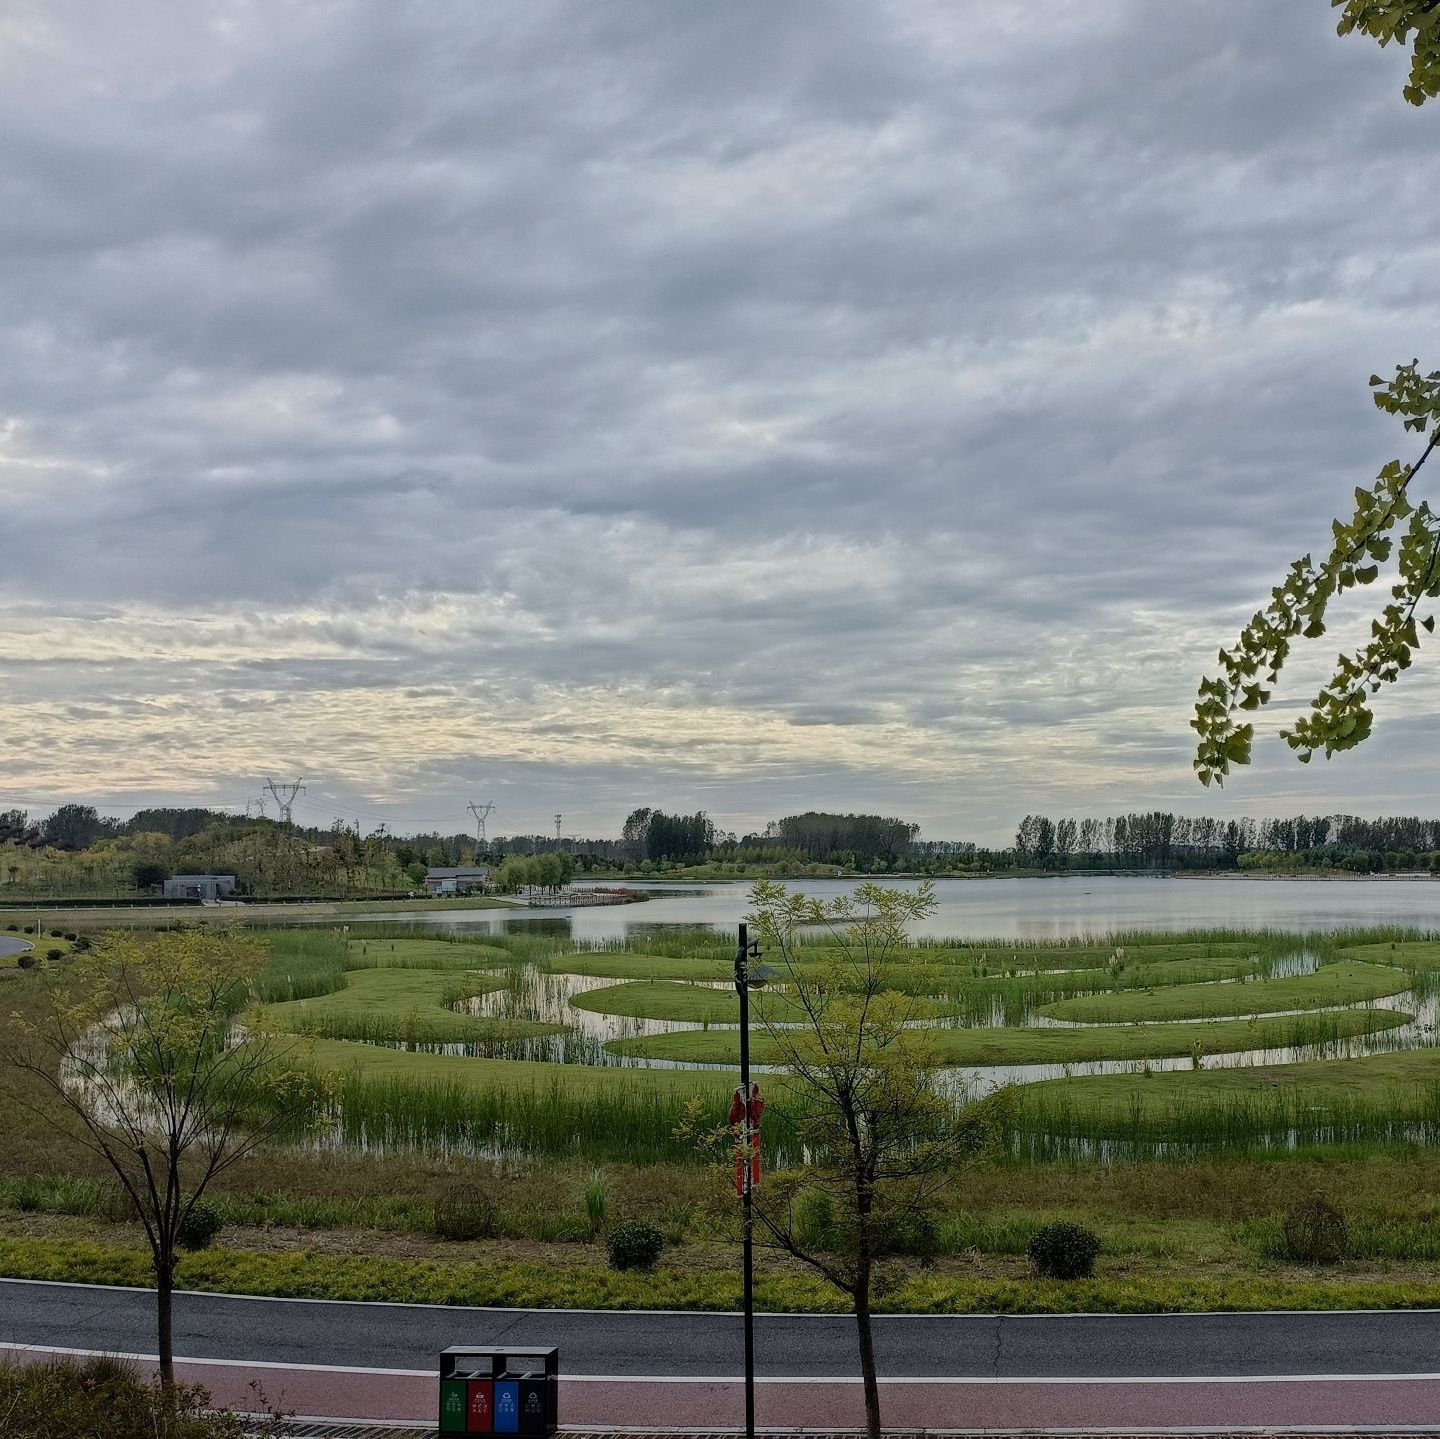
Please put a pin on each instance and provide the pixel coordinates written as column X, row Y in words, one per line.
column 746, row 979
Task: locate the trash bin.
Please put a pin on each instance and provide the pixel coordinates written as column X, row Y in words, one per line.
column 499, row 1391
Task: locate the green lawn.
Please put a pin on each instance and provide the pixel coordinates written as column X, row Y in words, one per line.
column 964, row 1047
column 381, row 1005
column 1417, row 955
column 1334, row 984
column 418, row 953
column 698, row 1004
column 642, row 966
column 1371, row 1078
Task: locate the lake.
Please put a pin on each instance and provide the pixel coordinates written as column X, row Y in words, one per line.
column 1026, row 909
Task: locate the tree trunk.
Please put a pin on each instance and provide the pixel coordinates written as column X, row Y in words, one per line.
column 165, row 1317
column 867, row 1353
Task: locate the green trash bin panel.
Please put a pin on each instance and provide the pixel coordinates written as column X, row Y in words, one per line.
column 452, row 1406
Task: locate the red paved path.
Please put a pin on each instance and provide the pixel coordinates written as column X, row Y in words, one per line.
column 1133, row 1405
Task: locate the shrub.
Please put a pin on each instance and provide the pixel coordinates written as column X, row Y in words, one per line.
column 814, row 1221
column 1314, row 1232
column 465, row 1211
column 53, row 954
column 26, row 960
column 57, row 934
column 918, row 1235
column 199, row 1227
column 106, row 1396
column 12, row 926
column 634, row 1245
column 1063, row 1251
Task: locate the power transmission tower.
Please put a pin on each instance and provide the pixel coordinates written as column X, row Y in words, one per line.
column 284, row 796
column 481, row 813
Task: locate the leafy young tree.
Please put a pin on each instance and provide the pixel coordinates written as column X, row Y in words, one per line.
column 135, row 1039
column 1407, row 22
column 1340, row 716
column 860, row 1085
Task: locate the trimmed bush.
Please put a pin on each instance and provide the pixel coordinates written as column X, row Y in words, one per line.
column 465, row 1211
column 634, row 1245
column 53, row 954
column 1314, row 1232
column 1063, row 1251
column 26, row 960
column 199, row 1227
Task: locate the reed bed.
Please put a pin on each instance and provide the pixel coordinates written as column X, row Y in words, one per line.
column 609, row 1126
column 416, row 1029
column 1048, row 1126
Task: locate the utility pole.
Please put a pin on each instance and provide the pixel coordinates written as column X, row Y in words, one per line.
column 481, row 813
column 284, row 796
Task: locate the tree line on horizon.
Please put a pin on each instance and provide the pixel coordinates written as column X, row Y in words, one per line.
column 76, row 850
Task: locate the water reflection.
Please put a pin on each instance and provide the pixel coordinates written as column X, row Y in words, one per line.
column 1034, row 910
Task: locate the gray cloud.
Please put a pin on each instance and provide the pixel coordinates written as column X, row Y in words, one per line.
column 921, row 392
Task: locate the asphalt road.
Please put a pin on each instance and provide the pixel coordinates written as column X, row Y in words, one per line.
column 674, row 1344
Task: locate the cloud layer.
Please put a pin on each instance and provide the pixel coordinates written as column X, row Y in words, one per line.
column 755, row 407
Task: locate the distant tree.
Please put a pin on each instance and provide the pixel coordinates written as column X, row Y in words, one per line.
column 147, row 874
column 74, row 826
column 177, row 824
column 872, row 840
column 135, row 1039
column 635, row 833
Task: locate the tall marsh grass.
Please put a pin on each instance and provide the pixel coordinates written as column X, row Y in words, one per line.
column 1050, row 1126
column 602, row 1126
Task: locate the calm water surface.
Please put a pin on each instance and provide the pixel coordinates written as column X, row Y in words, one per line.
column 1030, row 909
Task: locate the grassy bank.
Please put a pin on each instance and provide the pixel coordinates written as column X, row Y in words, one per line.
column 1116, row 1289
column 1334, row 984
column 1320, row 1033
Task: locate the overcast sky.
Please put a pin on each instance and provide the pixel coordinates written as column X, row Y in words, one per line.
column 747, row 407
